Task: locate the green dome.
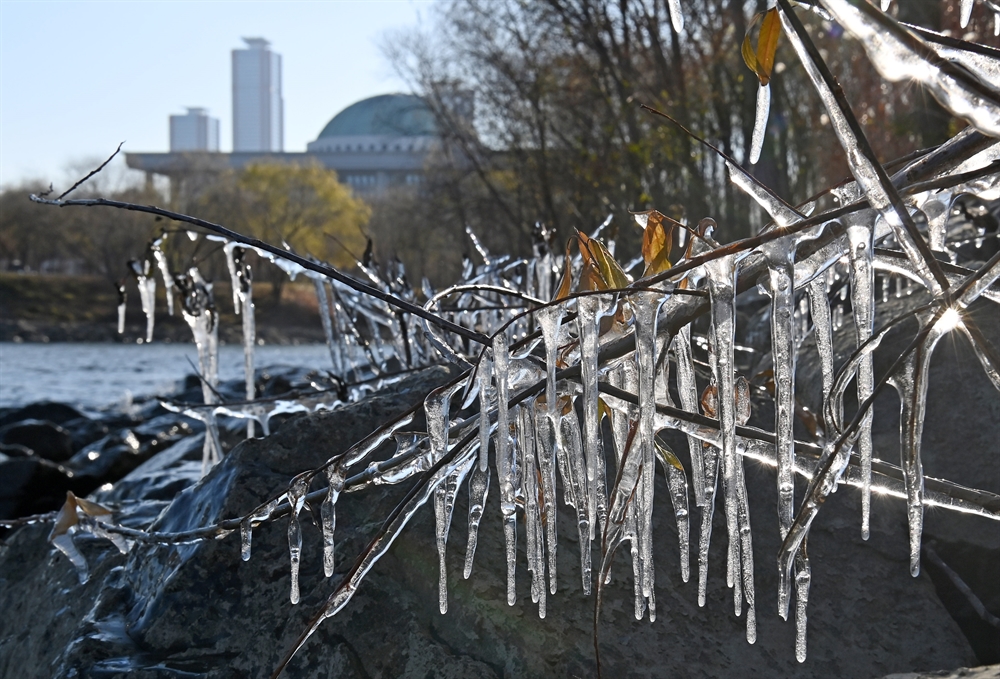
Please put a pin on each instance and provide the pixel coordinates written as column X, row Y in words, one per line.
column 396, row 115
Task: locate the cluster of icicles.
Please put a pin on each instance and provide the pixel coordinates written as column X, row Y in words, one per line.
column 368, row 339
column 521, row 394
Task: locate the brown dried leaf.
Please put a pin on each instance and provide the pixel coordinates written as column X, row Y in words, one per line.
column 562, row 292
column 657, row 239
column 767, row 45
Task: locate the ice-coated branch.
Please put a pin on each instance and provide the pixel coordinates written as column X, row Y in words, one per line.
column 258, row 244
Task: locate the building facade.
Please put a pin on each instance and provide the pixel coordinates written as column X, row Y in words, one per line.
column 374, row 145
column 258, row 108
column 194, row 131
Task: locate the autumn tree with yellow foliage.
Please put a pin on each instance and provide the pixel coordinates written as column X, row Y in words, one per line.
column 303, row 206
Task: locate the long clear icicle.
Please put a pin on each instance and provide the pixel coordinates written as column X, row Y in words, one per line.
column 479, row 486
column 588, row 318
column 645, row 306
column 687, row 389
column 549, row 320
column 859, row 238
column 296, row 499
column 328, row 516
column 780, row 264
column 760, row 122
column 436, row 408
column 722, row 293
column 484, row 374
column 506, row 469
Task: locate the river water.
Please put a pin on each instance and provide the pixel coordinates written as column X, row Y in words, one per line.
column 96, row 375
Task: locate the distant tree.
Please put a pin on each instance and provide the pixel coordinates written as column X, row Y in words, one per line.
column 304, row 206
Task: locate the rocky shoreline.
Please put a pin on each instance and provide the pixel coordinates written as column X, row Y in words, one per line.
column 166, row 611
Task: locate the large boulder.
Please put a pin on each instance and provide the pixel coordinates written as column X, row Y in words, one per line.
column 198, row 609
column 961, row 442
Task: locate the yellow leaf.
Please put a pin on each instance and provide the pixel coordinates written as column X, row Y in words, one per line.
column 66, row 518
column 767, row 45
column 567, row 276
column 92, row 508
column 749, row 56
column 666, row 455
column 657, row 241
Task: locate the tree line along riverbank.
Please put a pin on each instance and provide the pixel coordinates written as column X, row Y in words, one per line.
column 61, row 308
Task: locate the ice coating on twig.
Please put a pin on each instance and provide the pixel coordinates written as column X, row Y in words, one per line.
column 760, row 122
column 897, row 60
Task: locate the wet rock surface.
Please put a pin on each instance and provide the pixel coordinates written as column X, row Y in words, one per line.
column 960, row 443
column 199, row 610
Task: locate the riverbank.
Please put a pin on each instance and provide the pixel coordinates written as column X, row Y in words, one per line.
column 57, row 308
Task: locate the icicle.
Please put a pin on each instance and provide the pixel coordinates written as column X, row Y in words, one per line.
column 479, row 486
column 721, row 285
column 760, row 122
column 588, row 317
column 545, row 444
column 444, row 505
column 324, row 314
column 885, row 5
column 147, row 294
column 506, row 469
column 803, row 578
column 819, row 309
column 484, row 374
column 234, row 274
column 168, row 279
column 246, row 539
column 121, row 309
column 911, row 383
column 64, row 543
column 687, row 389
column 859, row 236
column 246, row 526
column 676, row 18
column 711, row 471
column 328, row 516
column 569, row 428
column 531, row 492
column 296, row 499
column 646, row 306
column 780, row 264
column 965, row 13
column 678, row 486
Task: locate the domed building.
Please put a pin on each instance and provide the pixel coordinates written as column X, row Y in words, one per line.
column 378, row 142
column 373, row 144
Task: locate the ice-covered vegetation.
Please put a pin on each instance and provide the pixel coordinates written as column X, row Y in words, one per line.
column 573, row 362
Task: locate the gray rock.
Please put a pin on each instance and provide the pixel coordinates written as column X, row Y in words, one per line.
column 198, row 610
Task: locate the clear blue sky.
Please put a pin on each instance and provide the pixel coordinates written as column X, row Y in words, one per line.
column 77, row 77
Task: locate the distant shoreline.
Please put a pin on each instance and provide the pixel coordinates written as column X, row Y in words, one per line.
column 57, row 308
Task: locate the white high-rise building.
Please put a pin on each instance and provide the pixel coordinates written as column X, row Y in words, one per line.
column 194, row 131
column 258, row 109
